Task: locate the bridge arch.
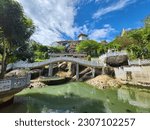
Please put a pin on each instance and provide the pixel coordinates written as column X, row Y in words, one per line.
column 51, row 61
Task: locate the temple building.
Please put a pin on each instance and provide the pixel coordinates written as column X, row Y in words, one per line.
column 83, row 37
column 70, row 45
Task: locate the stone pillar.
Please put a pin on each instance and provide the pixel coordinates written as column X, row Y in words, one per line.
column 139, row 61
column 93, row 72
column 50, row 70
column 69, row 66
column 103, row 70
column 28, row 78
column 128, row 62
column 77, row 71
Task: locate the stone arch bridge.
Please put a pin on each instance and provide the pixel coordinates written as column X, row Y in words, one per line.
column 51, row 61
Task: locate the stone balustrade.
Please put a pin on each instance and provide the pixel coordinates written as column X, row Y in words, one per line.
column 140, row 62
column 14, row 83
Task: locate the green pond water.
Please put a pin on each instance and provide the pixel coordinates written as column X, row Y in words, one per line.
column 79, row 97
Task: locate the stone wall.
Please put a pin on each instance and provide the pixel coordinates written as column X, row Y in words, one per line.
column 14, row 83
column 138, row 75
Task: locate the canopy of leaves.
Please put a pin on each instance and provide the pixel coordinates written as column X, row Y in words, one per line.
column 41, row 52
column 57, row 49
column 147, row 22
column 88, row 46
column 136, row 42
column 17, row 28
column 15, row 31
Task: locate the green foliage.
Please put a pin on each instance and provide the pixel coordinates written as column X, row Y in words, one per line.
column 136, row 42
column 39, row 60
column 56, row 49
column 89, row 58
column 24, row 52
column 15, row 30
column 89, row 46
column 147, row 22
column 42, row 48
column 16, row 27
column 0, row 57
column 38, row 51
column 39, row 55
column 102, row 48
column 41, row 52
column 92, row 48
column 46, row 56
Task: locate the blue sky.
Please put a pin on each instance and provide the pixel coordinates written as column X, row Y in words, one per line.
column 57, row 20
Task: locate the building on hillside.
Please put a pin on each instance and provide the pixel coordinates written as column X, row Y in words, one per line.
column 70, row 45
column 83, row 37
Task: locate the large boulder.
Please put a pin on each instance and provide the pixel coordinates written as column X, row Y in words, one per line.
column 116, row 61
column 16, row 73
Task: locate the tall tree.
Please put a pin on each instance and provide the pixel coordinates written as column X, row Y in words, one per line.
column 88, row 46
column 16, row 30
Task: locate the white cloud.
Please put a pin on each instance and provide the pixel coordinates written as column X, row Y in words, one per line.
column 52, row 18
column 103, row 33
column 115, row 6
column 106, row 1
column 55, row 18
column 82, row 29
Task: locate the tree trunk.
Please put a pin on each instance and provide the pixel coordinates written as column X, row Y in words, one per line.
column 3, row 70
column 4, row 61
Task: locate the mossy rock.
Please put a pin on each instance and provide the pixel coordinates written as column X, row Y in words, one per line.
column 53, row 81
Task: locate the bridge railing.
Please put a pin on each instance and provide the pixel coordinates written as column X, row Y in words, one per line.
column 108, row 54
column 93, row 63
column 117, row 53
column 140, row 62
column 57, row 59
column 13, row 83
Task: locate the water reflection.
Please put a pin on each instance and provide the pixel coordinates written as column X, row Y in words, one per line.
column 80, row 97
column 135, row 97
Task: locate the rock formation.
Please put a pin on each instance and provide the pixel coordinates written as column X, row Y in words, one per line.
column 116, row 61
